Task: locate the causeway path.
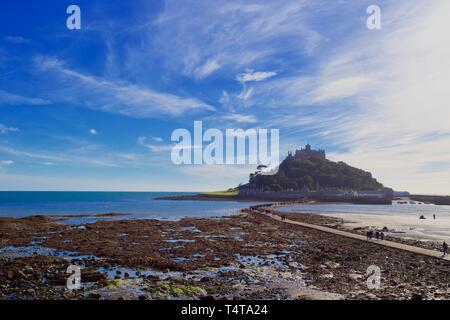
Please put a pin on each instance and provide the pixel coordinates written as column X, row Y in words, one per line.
column 386, row 243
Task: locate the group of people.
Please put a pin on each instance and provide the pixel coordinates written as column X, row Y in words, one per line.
column 379, row 235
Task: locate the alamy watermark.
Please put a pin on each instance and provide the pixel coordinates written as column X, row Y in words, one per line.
column 73, row 22
column 74, row 280
column 374, row 20
column 373, row 274
column 232, row 147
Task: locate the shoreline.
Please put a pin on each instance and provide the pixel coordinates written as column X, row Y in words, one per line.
column 206, row 197
column 244, row 256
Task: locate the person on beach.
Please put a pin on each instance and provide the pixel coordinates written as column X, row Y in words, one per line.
column 369, row 235
column 382, row 235
column 445, row 247
column 434, row 217
column 377, row 235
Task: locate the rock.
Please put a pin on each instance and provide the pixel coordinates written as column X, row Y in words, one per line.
column 94, row 296
column 332, row 264
column 417, row 296
column 355, row 276
column 239, row 287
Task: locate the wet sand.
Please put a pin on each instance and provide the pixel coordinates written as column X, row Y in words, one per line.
column 399, row 225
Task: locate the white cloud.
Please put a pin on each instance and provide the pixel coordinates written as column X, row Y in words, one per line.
column 8, row 98
column 251, row 75
column 7, row 162
column 232, row 34
column 4, row 129
column 242, row 118
column 93, row 132
column 146, row 142
column 224, row 98
column 207, row 69
column 333, row 89
column 157, row 139
column 78, row 157
column 118, row 97
column 235, row 173
column 128, row 156
column 15, row 39
column 246, row 94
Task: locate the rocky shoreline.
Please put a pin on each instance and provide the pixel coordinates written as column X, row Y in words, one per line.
column 246, row 256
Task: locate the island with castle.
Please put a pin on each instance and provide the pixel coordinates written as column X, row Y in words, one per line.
column 307, row 174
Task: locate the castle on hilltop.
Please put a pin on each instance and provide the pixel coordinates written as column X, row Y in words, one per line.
column 308, row 153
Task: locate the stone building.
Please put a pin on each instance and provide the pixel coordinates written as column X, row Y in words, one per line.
column 308, row 153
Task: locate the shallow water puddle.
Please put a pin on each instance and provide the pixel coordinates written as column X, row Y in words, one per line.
column 34, row 250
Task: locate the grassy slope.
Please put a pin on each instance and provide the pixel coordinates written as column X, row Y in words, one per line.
column 224, row 193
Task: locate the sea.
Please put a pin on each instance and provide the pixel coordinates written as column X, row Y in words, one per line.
column 138, row 205
column 144, row 205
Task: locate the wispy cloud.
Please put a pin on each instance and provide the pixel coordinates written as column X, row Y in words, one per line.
column 4, row 129
column 117, row 97
column 251, row 75
column 230, row 35
column 62, row 157
column 237, row 117
column 205, row 70
column 148, row 142
column 93, row 132
column 7, row 162
column 8, row 98
column 16, row 39
column 228, row 173
column 157, row 139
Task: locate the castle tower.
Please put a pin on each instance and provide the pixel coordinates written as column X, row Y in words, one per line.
column 308, row 152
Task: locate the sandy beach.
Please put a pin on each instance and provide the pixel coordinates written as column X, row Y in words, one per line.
column 401, row 220
column 399, row 225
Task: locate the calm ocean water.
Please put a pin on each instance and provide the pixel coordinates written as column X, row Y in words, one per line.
column 138, row 204
column 142, row 205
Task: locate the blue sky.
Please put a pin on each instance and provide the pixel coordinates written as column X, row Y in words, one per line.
column 93, row 109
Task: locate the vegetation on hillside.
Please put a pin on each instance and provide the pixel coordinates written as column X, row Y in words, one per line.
column 300, row 174
column 225, row 193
